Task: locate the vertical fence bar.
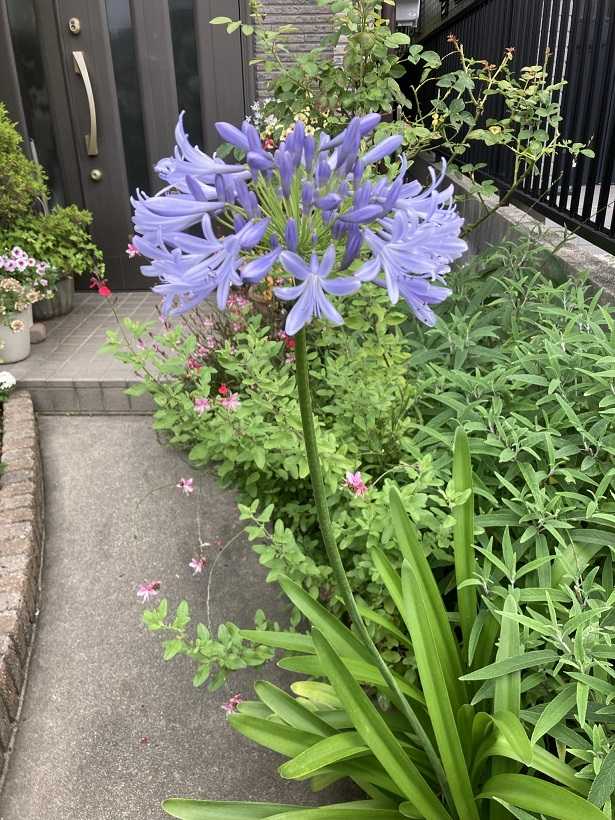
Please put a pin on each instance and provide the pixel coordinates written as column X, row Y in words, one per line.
column 600, row 120
column 580, row 35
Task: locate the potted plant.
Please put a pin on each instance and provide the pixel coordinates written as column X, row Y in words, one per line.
column 24, row 281
column 62, row 238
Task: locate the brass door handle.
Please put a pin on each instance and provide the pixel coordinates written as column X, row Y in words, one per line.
column 91, row 139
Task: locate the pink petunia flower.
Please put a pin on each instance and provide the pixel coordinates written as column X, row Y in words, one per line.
column 230, row 707
column 132, row 250
column 355, row 483
column 198, row 565
column 186, row 485
column 201, row 406
column 231, row 402
column 148, row 590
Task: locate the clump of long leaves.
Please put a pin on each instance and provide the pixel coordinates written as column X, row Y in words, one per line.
column 467, row 763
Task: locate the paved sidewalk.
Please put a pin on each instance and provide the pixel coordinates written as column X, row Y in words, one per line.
column 108, row 729
column 67, row 373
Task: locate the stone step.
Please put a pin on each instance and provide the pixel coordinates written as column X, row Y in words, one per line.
column 67, row 373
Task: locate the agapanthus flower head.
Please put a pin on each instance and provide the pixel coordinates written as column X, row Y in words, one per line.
column 313, row 211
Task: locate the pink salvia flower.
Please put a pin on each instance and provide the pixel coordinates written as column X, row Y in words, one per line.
column 201, row 406
column 132, row 250
column 186, row 485
column 355, row 483
column 198, row 565
column 231, row 402
column 230, row 707
column 148, row 590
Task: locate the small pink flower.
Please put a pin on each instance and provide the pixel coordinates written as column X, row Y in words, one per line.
column 186, row 485
column 132, row 250
column 355, row 483
column 148, row 590
column 201, row 406
column 230, row 707
column 231, row 402
column 198, row 565
column 193, row 364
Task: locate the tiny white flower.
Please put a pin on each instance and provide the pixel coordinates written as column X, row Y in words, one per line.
column 7, row 380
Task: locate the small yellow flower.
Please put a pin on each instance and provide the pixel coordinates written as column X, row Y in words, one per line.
column 495, row 129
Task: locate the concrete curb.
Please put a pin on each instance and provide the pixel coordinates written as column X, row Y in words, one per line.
column 21, row 542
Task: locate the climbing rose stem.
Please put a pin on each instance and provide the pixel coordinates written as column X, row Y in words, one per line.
column 334, row 556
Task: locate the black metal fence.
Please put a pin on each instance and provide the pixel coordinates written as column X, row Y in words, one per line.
column 580, row 35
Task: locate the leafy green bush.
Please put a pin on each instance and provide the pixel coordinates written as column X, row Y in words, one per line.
column 60, row 237
column 524, row 364
column 22, row 181
column 453, row 759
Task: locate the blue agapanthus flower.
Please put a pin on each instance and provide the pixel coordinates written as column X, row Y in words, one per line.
column 313, row 212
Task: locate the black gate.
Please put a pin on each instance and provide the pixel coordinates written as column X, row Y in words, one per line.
column 580, row 35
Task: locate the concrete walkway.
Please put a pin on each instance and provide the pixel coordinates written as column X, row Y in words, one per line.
column 108, row 729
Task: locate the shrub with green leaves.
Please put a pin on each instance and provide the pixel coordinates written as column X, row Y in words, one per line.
column 523, row 364
column 61, row 237
column 22, row 181
column 437, row 753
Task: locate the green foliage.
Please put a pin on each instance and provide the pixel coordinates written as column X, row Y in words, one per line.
column 484, row 760
column 60, row 237
column 314, row 85
column 22, row 181
column 527, row 367
column 215, row 657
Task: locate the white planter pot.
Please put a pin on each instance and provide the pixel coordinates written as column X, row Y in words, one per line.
column 27, row 317
column 16, row 346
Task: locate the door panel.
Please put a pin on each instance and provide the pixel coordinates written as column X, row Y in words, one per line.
column 141, row 57
column 105, row 196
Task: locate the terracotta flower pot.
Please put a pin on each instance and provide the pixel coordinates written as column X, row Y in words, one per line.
column 60, row 304
column 15, row 346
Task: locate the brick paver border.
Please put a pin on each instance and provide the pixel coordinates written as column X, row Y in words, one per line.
column 21, row 542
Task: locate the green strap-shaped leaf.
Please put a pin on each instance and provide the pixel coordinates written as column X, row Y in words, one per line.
column 376, row 734
column 555, row 711
column 532, row 794
column 384, row 622
column 291, row 712
column 435, row 611
column 290, row 641
column 275, row 736
column 538, row 657
column 363, row 672
column 441, row 715
column 339, row 636
column 543, row 761
column 350, row 812
column 320, row 694
column 465, row 564
column 390, row 577
column 507, row 694
column 325, row 753
column 221, row 810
